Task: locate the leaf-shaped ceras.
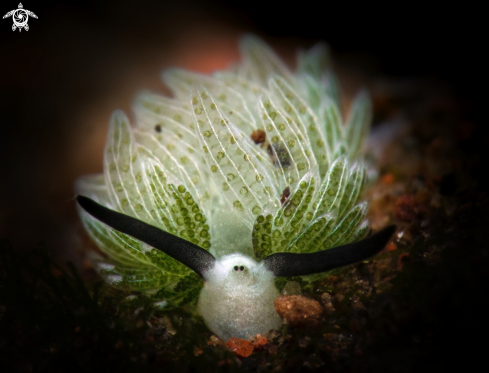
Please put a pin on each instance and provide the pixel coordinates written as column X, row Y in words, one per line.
column 140, row 186
column 234, row 164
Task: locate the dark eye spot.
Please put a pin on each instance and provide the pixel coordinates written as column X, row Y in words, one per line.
column 235, row 268
column 158, row 128
column 241, row 268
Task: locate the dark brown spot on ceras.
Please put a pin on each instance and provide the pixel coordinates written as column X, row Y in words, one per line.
column 158, row 128
column 258, row 136
column 278, row 155
column 285, row 196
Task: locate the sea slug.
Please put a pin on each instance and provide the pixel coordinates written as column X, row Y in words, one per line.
column 243, row 176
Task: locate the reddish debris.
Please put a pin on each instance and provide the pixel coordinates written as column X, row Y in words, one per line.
column 403, row 259
column 260, row 342
column 332, row 280
column 285, row 195
column 408, row 208
column 299, row 311
column 388, row 179
column 258, row 136
column 240, row 347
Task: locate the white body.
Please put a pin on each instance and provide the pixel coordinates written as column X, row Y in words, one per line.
column 239, row 303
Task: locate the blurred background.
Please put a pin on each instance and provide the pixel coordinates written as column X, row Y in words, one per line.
column 80, row 60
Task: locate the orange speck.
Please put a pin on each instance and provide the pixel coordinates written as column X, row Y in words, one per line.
column 240, row 347
column 390, row 247
column 388, row 179
column 258, row 136
column 403, row 258
column 260, row 342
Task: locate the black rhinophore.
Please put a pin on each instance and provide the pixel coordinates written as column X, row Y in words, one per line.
column 289, row 264
column 193, row 256
column 200, row 260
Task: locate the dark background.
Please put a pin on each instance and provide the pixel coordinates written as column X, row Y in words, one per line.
column 81, row 60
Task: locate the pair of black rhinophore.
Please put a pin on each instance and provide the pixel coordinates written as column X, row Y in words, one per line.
column 200, row 260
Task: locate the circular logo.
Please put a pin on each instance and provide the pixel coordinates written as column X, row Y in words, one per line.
column 20, row 17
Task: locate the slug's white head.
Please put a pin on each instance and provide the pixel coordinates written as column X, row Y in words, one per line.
column 238, row 290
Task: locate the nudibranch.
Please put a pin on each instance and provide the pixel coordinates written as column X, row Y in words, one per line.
column 242, row 177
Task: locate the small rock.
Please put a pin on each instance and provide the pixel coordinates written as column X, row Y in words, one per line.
column 213, row 340
column 298, row 310
column 303, row 342
column 273, row 334
column 338, row 297
column 240, row 347
column 403, row 259
column 260, row 342
column 408, row 208
column 292, row 288
column 327, row 300
column 162, row 322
